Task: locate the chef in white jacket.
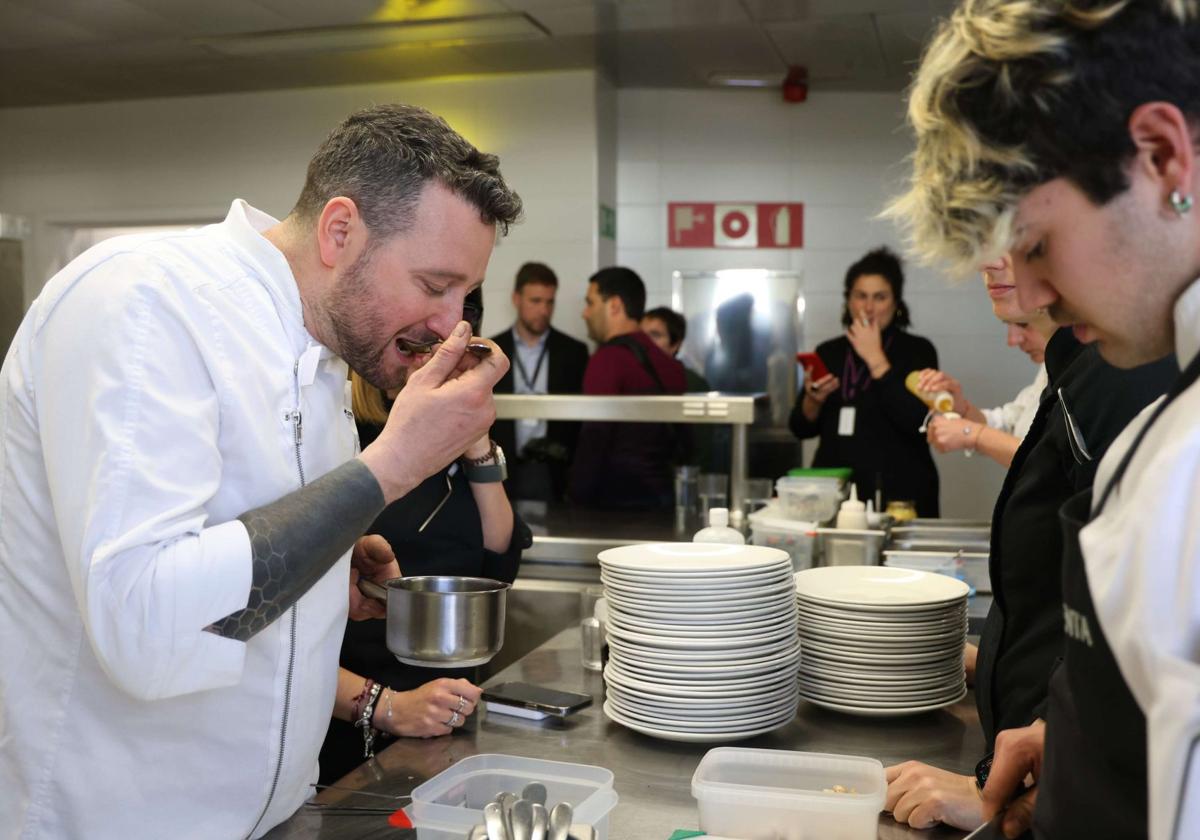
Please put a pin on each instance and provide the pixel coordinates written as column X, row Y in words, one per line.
column 180, row 492
column 1069, row 133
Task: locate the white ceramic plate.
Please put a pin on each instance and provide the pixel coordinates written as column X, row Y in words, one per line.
column 697, row 619
column 722, row 598
column 747, row 714
column 879, row 587
column 694, row 737
column 736, row 721
column 884, row 696
column 699, row 688
column 691, row 557
column 669, row 699
column 713, row 573
column 877, row 618
column 677, row 592
column 785, row 630
column 727, row 671
column 724, row 610
column 670, row 579
column 863, row 711
column 657, row 656
column 639, row 624
column 923, row 659
column 915, row 639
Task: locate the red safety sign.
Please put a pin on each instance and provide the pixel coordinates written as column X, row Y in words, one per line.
column 735, row 225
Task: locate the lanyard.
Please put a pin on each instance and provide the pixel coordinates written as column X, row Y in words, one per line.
column 856, row 378
column 529, row 380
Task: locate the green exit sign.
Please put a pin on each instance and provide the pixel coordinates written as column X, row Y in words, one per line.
column 608, row 222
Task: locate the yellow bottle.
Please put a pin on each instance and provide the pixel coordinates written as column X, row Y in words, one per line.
column 940, row 401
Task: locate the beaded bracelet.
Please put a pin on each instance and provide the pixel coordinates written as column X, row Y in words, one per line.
column 364, row 719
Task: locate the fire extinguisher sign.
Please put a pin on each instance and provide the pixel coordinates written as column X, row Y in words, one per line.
column 734, row 225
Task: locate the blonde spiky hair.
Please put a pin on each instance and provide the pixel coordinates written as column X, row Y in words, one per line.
column 996, row 72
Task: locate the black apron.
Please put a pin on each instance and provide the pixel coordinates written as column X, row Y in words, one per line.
column 1094, row 777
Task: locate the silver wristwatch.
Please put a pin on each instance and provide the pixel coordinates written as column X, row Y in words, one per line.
column 490, row 468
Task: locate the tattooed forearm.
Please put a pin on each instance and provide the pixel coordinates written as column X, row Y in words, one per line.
column 296, row 540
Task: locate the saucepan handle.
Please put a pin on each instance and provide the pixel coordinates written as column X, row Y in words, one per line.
column 372, row 589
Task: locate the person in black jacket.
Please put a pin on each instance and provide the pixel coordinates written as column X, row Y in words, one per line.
column 1022, row 641
column 544, row 361
column 865, row 417
column 456, row 522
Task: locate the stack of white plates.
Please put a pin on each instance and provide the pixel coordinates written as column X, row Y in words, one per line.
column 702, row 640
column 881, row 641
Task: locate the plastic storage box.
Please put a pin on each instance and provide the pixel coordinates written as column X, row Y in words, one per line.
column 810, row 499
column 769, row 527
column 451, row 803
column 781, row 795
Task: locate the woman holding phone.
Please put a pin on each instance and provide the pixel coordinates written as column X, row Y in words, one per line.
column 864, row 416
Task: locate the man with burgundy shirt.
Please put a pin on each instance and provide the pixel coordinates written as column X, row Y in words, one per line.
column 626, row 465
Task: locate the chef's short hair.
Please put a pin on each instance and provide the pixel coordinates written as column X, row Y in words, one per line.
column 623, row 283
column 1011, row 94
column 383, row 157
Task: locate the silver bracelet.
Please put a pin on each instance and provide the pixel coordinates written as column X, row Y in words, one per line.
column 364, row 721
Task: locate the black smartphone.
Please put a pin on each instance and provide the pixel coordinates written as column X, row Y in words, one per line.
column 536, row 698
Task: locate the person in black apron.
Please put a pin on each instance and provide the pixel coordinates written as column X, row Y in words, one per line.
column 1067, row 132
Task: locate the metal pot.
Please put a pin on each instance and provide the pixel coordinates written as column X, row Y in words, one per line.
column 442, row 622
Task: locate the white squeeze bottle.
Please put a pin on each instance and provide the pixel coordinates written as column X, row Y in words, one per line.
column 718, row 530
column 853, row 513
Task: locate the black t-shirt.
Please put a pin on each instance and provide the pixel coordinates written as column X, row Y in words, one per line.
column 886, row 448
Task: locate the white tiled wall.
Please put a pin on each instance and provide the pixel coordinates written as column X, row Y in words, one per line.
column 843, row 156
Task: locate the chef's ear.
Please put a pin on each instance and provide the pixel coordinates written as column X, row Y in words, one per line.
column 339, row 227
column 1165, row 147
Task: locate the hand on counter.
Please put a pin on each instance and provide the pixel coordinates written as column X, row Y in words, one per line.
column 436, row 708
column 922, row 796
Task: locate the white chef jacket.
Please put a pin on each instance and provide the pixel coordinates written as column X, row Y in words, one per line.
column 159, row 387
column 1016, row 417
column 1142, row 555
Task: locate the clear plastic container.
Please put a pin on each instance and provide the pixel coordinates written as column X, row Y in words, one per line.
column 938, row 562
column 811, row 499
column 771, row 528
column 782, row 795
column 451, row 803
column 846, row 547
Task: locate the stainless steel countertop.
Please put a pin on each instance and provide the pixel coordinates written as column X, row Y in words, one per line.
column 652, row 777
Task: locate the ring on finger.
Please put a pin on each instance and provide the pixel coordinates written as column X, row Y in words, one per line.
column 454, row 720
column 462, row 704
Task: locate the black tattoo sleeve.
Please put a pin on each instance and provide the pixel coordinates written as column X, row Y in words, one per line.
column 297, row 539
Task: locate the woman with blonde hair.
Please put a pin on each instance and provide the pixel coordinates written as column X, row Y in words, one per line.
column 457, row 522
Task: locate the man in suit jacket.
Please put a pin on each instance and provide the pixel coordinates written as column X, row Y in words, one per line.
column 544, row 361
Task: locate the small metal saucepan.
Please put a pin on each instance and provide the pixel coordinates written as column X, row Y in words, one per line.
column 442, row 622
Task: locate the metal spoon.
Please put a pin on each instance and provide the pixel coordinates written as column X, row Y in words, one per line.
column 493, row 818
column 541, row 822
column 560, row 821
column 522, row 820
column 477, row 348
column 535, row 792
column 507, row 801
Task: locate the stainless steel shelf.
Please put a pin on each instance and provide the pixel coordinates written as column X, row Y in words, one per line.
column 687, row 408
column 739, row 411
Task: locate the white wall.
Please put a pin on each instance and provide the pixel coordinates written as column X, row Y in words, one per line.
column 843, row 156
column 185, row 159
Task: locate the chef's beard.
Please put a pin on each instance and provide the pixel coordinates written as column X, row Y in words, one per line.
column 358, row 327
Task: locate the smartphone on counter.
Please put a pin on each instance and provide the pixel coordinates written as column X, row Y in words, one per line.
column 535, row 698
column 812, row 360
